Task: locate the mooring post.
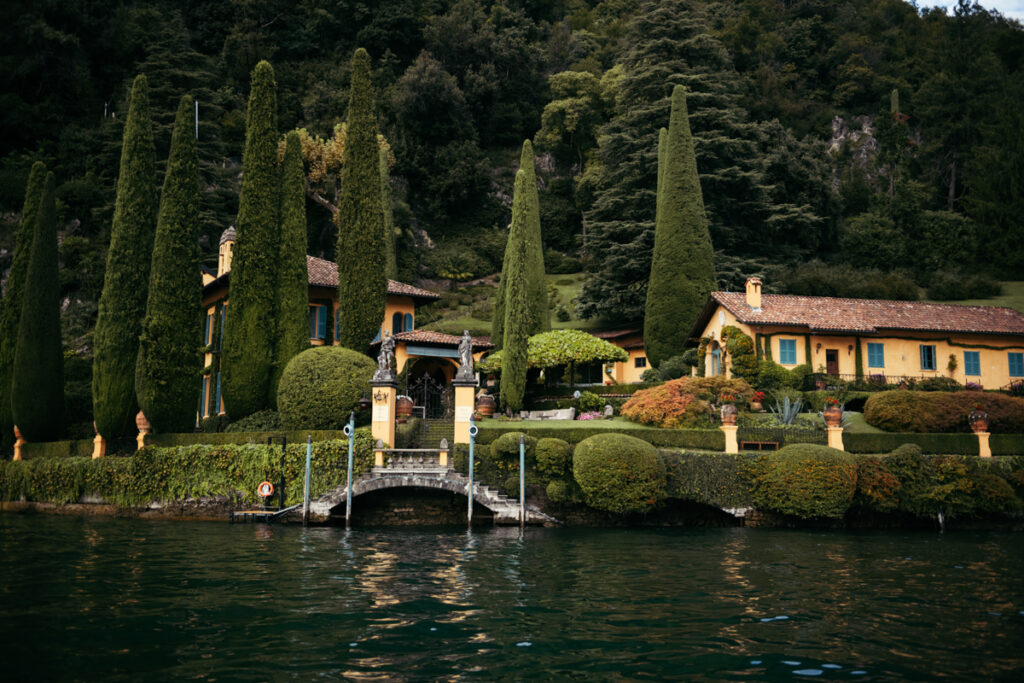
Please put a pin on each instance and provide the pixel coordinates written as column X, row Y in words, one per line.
column 284, row 450
column 472, row 440
column 350, row 432
column 305, row 495
column 522, row 480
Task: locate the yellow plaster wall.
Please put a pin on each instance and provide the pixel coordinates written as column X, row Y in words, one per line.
column 626, row 372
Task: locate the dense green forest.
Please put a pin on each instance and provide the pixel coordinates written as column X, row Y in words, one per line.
column 831, row 138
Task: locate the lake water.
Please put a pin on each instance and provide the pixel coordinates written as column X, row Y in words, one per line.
column 129, row 600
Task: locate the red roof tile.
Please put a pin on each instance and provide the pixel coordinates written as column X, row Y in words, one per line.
column 615, row 334
column 441, row 339
column 325, row 274
column 866, row 316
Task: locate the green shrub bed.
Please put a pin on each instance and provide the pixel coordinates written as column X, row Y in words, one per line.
column 698, row 439
column 942, row 411
column 718, row 479
column 805, row 480
column 182, row 472
column 321, row 385
column 945, row 444
column 619, row 473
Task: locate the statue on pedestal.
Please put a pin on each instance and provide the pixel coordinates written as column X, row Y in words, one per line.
column 385, row 360
column 465, row 372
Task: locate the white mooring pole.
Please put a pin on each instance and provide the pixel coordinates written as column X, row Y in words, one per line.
column 305, row 495
column 350, row 432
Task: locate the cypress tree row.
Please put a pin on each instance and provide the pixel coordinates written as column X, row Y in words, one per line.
column 682, row 267
column 10, row 313
column 390, row 255
column 537, row 292
column 123, row 301
column 169, row 362
column 37, row 387
column 362, row 283
column 248, row 349
column 293, row 277
column 518, row 313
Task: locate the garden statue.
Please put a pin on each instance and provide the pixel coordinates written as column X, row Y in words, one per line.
column 385, row 360
column 465, row 372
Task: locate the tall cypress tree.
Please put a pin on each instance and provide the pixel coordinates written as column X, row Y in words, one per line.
column 123, row 301
column 362, row 283
column 169, row 362
column 293, row 278
column 37, row 388
column 518, row 313
column 390, row 255
column 537, row 293
column 248, row 351
column 682, row 267
column 10, row 313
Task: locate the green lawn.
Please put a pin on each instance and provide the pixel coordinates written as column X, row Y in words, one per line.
column 855, row 424
column 1012, row 297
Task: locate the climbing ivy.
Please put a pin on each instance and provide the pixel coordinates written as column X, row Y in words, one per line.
column 740, row 348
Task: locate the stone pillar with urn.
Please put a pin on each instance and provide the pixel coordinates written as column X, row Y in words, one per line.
column 465, row 389
column 383, row 390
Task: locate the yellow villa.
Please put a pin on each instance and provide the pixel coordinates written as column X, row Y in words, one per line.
column 426, row 353
column 630, row 370
column 887, row 340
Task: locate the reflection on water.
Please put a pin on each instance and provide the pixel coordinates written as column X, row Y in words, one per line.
column 136, row 600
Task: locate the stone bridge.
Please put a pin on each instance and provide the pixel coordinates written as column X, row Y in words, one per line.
column 425, row 474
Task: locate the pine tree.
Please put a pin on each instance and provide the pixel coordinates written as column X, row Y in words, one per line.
column 682, row 267
column 539, row 319
column 518, row 314
column 247, row 358
column 123, row 301
column 293, row 279
column 390, row 255
column 362, row 283
column 10, row 313
column 169, row 362
column 37, row 387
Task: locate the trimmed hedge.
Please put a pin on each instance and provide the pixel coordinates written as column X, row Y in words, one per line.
column 179, row 473
column 718, row 479
column 942, row 411
column 553, row 457
column 619, row 473
column 700, row 439
column 505, row 449
column 807, row 481
column 321, row 385
column 946, row 444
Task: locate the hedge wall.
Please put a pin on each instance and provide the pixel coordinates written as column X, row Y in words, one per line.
column 702, row 439
column 711, row 478
column 946, row 444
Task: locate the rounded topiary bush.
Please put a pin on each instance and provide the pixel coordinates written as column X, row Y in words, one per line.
column 806, row 480
column 941, row 411
column 619, row 473
column 558, row 491
column 553, row 457
column 505, row 449
column 321, row 385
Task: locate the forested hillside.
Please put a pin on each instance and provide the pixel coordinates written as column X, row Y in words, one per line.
column 831, row 138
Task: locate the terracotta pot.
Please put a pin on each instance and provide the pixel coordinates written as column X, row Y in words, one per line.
column 756, row 407
column 833, row 415
column 729, row 413
column 978, row 420
column 485, row 405
column 143, row 424
column 403, row 408
column 17, row 433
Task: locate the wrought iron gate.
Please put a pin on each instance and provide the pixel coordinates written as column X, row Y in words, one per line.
column 435, row 400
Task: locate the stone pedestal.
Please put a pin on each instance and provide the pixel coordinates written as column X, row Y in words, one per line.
column 378, row 453
column 382, row 425
column 835, row 437
column 983, row 448
column 442, row 458
column 99, row 447
column 19, row 441
column 465, row 396
column 731, row 444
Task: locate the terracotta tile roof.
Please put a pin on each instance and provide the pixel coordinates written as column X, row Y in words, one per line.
column 325, row 274
column 441, row 339
column 615, row 334
column 865, row 316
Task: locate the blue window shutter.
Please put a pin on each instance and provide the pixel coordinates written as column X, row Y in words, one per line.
column 972, row 363
column 202, row 398
column 876, row 355
column 1016, row 364
column 321, row 322
column 206, row 329
column 787, row 351
column 408, row 322
column 337, row 325
column 216, row 401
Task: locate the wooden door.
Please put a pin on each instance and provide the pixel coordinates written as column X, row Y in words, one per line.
column 832, row 361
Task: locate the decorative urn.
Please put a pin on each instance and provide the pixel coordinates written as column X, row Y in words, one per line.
column 833, row 413
column 403, row 408
column 143, row 424
column 729, row 414
column 979, row 420
column 485, row 405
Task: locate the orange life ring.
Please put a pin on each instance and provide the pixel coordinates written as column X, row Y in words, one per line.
column 265, row 490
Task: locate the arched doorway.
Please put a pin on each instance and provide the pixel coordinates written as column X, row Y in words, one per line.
column 715, row 359
column 428, row 385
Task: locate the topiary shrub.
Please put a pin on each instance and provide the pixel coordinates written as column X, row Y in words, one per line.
column 938, row 384
column 589, row 401
column 772, row 376
column 553, row 457
column 505, row 449
column 678, row 366
column 262, row 421
column 740, row 348
column 619, row 473
column 943, row 412
column 683, row 402
column 558, row 491
column 807, row 481
column 321, row 385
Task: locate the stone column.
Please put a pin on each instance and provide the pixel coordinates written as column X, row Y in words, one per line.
column 465, row 393
column 835, row 437
column 983, row 448
column 19, row 441
column 378, row 453
column 731, row 444
column 442, row 459
column 382, row 426
column 99, row 447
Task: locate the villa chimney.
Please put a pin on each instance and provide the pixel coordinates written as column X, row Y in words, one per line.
column 754, row 293
column 227, row 246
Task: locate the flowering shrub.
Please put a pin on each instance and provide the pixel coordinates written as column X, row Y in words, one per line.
column 757, row 397
column 683, row 402
column 590, row 415
column 831, row 401
column 973, row 386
